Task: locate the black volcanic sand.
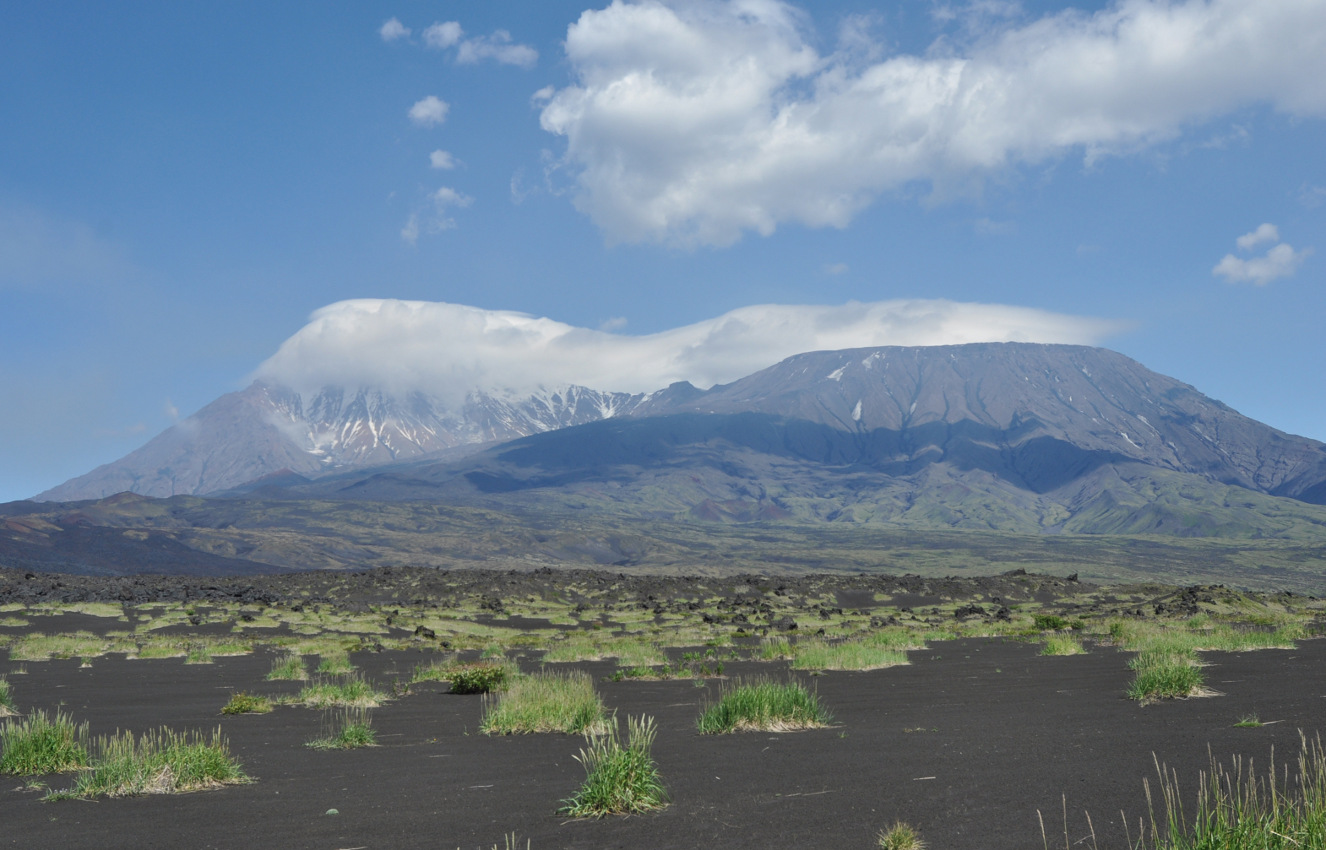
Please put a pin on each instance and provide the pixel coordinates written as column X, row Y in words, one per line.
column 966, row 744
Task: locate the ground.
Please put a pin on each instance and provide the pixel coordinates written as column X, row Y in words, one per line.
column 975, row 743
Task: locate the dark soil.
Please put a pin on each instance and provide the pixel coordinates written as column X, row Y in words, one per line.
column 967, row 744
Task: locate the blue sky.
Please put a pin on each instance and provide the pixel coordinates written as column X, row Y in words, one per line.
column 182, row 185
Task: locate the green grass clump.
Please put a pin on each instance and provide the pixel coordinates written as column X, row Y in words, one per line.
column 160, row 762
column 198, row 654
column 1240, row 810
column 900, row 836
column 765, row 706
column 776, row 649
column 1249, row 721
column 545, row 702
column 348, row 729
column 288, row 667
column 40, row 744
column 620, row 778
column 245, row 703
column 1049, row 623
column 335, row 664
column 845, row 655
column 1158, row 674
column 7, row 708
column 479, row 679
column 1062, row 645
column 352, row 690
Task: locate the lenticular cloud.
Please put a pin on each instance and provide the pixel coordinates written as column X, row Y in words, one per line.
column 449, row 350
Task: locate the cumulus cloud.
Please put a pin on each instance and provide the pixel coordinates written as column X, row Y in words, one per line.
column 497, row 47
column 1281, row 260
column 441, row 35
column 393, row 29
column 1264, row 233
column 695, row 122
column 448, row 350
column 441, row 159
column 430, row 111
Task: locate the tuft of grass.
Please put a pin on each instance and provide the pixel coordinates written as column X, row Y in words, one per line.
column 620, row 778
column 1063, row 645
column 7, row 708
column 335, row 664
column 479, row 678
column 347, row 729
column 1049, row 623
column 159, row 762
column 353, row 690
column 845, row 655
column 1158, row 674
column 763, row 705
column 776, row 649
column 246, row 703
column 1249, row 721
column 198, row 654
column 1237, row 808
column 41, row 744
column 288, row 667
column 545, row 702
column 900, row 836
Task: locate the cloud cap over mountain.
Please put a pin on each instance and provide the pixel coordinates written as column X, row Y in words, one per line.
column 447, row 350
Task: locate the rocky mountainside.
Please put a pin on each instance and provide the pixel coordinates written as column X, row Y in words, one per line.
column 1078, row 405
column 1004, row 437
column 268, row 432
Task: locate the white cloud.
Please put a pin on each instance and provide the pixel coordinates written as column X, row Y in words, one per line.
column 1280, row 261
column 695, row 122
column 410, row 232
column 429, row 112
column 1311, row 196
column 440, row 35
column 1264, row 233
column 447, row 350
column 498, row 47
column 441, row 159
column 393, row 29
column 836, row 268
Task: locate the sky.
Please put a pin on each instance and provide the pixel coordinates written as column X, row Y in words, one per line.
column 192, row 195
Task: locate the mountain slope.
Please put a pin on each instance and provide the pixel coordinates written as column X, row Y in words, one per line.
column 266, row 431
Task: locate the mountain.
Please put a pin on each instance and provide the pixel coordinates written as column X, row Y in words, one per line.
column 1006, row 437
column 975, row 457
column 272, row 433
column 1001, row 436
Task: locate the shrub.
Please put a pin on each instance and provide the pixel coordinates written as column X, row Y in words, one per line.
column 160, row 762
column 39, row 744
column 348, row 729
column 763, row 705
column 620, row 779
column 545, row 702
column 478, row 679
column 245, row 703
column 1049, row 623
